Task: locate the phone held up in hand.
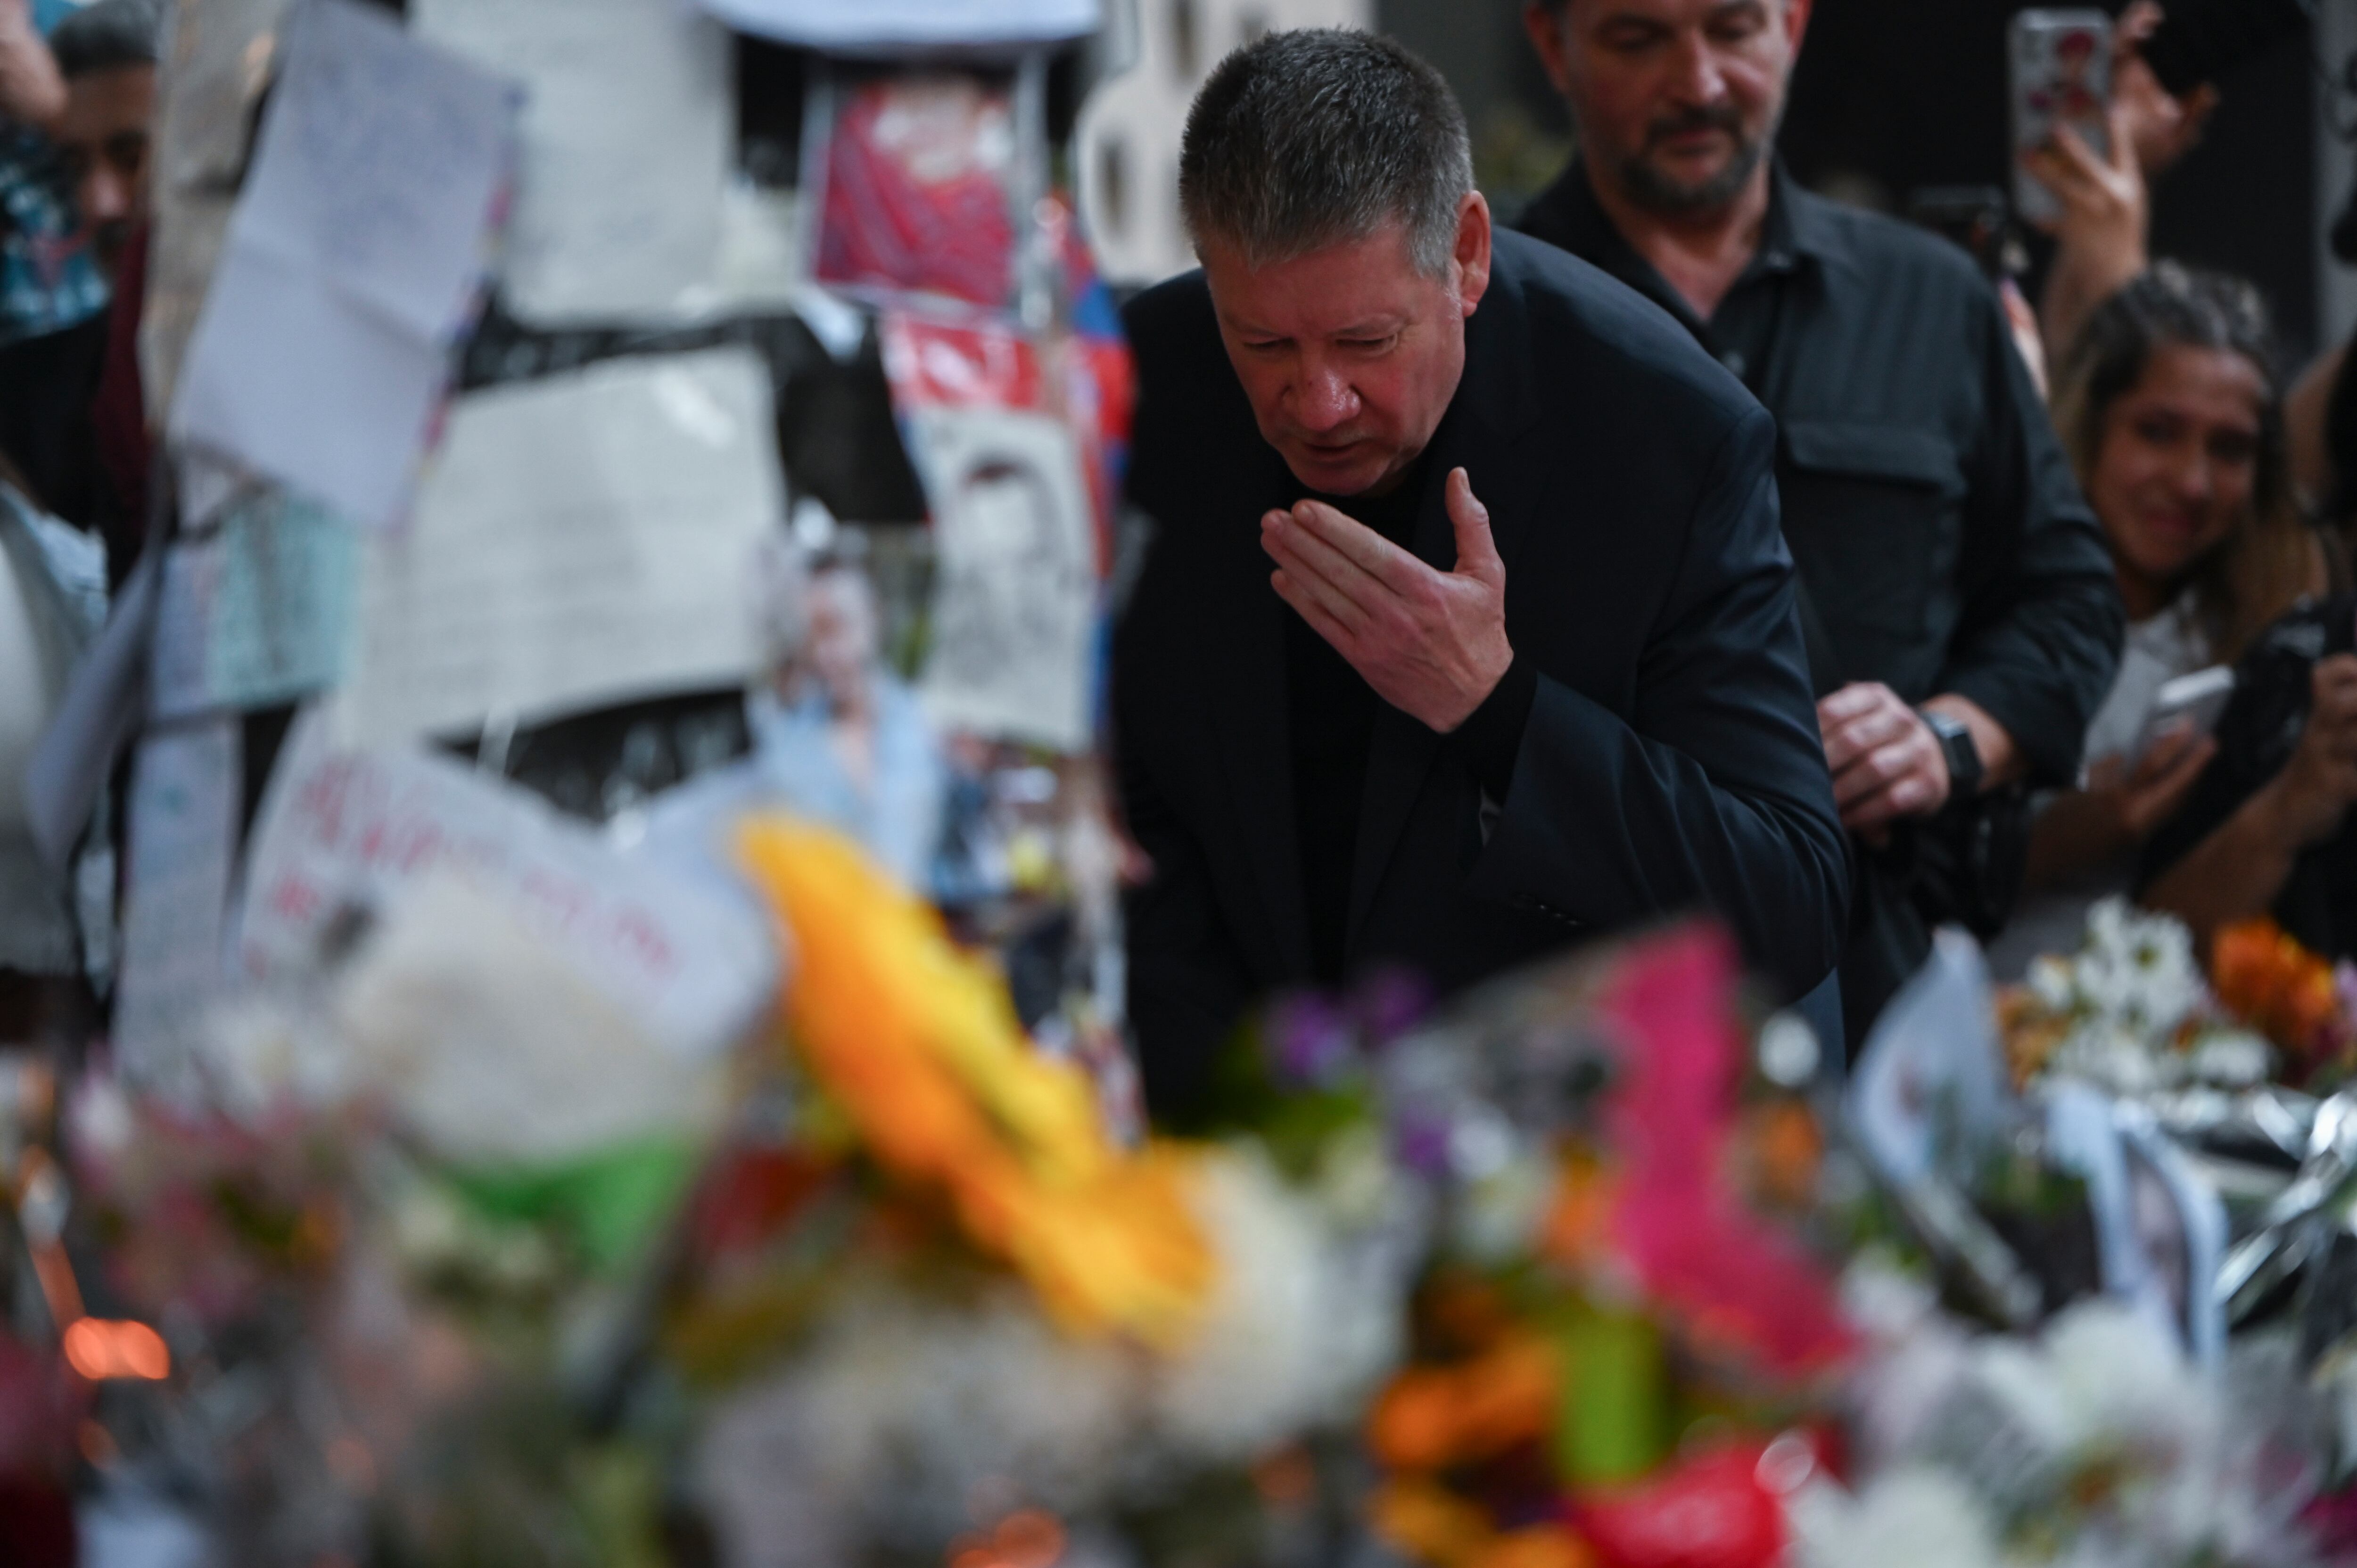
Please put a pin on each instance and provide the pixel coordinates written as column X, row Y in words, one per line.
column 2060, row 71
column 2192, row 703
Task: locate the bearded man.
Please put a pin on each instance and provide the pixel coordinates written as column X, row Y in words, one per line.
column 1962, row 618
column 1468, row 630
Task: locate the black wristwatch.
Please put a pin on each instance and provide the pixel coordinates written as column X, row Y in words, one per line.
column 1955, row 738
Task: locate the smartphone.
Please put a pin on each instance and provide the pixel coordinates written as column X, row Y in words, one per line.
column 1976, row 219
column 2193, row 703
column 2060, row 64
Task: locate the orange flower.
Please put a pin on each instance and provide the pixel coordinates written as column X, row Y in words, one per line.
column 2280, row 987
column 1577, row 1229
column 1423, row 1519
column 1541, row 1546
column 919, row 1043
column 1434, row 1417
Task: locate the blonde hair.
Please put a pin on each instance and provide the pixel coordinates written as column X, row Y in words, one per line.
column 2269, row 562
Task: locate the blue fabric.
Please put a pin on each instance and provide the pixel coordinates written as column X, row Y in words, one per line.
column 49, row 279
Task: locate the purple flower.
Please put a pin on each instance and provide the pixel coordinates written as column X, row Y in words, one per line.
column 1311, row 1041
column 1422, row 1144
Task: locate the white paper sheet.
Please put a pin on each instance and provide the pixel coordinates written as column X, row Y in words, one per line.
column 351, row 830
column 583, row 538
column 352, row 259
column 1014, row 600
column 184, row 800
column 627, row 139
column 864, row 24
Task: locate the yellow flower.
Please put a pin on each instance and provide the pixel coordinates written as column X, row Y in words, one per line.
column 919, row 1043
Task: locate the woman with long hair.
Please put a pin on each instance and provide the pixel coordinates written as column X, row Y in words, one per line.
column 2169, row 406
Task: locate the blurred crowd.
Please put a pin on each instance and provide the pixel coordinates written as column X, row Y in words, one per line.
column 1996, row 768
column 2221, row 479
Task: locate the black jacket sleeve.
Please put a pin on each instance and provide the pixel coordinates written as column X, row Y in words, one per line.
column 2042, row 626
column 1713, row 793
column 1187, row 982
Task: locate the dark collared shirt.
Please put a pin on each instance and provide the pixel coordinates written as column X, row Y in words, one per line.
column 1929, row 508
column 1332, row 714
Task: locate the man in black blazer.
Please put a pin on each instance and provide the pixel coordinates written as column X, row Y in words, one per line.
column 1469, row 627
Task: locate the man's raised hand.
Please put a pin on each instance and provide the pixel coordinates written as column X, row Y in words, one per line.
column 1432, row 644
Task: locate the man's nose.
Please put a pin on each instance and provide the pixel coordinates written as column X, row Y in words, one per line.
column 1323, row 400
column 1698, row 77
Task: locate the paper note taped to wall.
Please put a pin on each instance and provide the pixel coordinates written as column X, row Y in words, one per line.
column 1015, row 599
column 583, row 539
column 354, row 256
column 627, row 134
column 258, row 613
column 185, row 791
column 343, row 833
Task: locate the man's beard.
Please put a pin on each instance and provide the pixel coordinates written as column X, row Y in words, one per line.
column 1646, row 187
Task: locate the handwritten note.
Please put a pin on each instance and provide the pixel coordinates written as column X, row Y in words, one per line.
column 628, row 134
column 184, row 798
column 351, row 260
column 344, row 832
column 583, row 538
column 860, row 25
column 261, row 612
column 176, row 681
column 1015, row 602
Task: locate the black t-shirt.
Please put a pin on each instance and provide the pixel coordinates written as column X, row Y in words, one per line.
column 2257, row 736
column 1332, row 712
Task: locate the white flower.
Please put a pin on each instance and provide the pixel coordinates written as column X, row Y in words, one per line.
column 2120, row 1380
column 900, row 1418
column 2139, row 969
column 1295, row 1336
column 1919, row 1516
column 2054, row 982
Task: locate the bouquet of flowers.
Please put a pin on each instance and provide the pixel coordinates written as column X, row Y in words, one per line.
column 2129, row 1013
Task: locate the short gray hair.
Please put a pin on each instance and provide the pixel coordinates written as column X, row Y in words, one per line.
column 107, row 35
column 1321, row 137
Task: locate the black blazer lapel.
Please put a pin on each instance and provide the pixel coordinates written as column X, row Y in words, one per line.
column 1246, row 686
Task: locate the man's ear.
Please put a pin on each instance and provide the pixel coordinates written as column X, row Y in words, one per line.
column 1471, row 260
column 1545, row 23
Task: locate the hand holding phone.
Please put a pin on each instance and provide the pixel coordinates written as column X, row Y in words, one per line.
column 2191, row 704
column 2060, row 64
